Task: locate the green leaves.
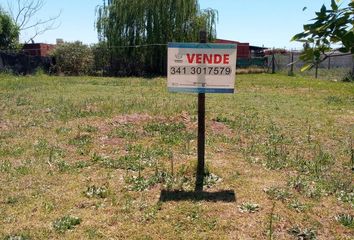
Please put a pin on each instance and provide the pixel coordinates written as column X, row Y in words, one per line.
column 333, row 25
column 307, row 67
column 334, row 5
column 147, row 22
column 9, row 32
column 298, row 37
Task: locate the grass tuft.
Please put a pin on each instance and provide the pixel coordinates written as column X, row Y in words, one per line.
column 248, row 207
column 66, row 223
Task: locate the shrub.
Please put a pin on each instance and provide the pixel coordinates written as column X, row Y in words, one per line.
column 9, row 32
column 73, row 58
column 101, row 55
column 349, row 77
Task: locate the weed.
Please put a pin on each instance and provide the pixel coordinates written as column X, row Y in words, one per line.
column 314, row 190
column 48, row 207
column 81, row 164
column 11, row 150
column 5, row 166
column 17, row 237
column 22, row 101
column 81, row 140
column 305, row 185
column 271, row 218
column 93, row 234
column 127, row 162
column 41, row 146
column 320, row 163
column 127, row 202
column 276, row 152
column 96, row 158
column 211, row 179
column 98, row 192
column 235, row 175
column 126, row 131
column 63, row 130
column 8, row 134
column 347, row 197
column 140, row 183
column 305, row 234
column 277, row 193
column 247, row 121
column 346, row 220
column 348, row 77
column 223, row 119
column 333, row 100
column 249, row 207
column 164, row 128
column 66, row 223
column 170, row 133
column 88, row 128
column 194, row 214
column 337, row 181
column 188, row 139
column 297, row 206
column 12, row 200
column 299, row 183
column 23, row 170
column 63, row 166
column 151, row 212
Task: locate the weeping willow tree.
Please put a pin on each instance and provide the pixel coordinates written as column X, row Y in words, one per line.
column 137, row 31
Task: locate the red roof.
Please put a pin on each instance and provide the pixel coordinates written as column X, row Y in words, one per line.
column 243, row 49
column 229, row 42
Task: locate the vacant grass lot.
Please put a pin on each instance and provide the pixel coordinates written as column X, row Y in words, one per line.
column 87, row 158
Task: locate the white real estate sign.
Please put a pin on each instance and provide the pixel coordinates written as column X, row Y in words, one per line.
column 201, row 67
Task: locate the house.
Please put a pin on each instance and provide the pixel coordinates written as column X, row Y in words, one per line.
column 247, row 55
column 243, row 49
column 38, row 49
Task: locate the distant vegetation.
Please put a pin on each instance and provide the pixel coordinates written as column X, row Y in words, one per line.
column 9, row 32
column 73, row 59
column 136, row 32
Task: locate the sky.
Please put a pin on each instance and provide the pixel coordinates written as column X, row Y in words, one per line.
column 269, row 23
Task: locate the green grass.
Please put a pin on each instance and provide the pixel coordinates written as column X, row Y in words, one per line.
column 102, row 149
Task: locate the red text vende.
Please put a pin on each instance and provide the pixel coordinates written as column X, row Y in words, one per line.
column 208, row 58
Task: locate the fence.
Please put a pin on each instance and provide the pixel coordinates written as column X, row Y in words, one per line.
column 21, row 63
column 250, row 62
column 335, row 67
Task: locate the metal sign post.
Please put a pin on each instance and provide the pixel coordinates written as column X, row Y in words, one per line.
column 201, row 68
column 201, row 132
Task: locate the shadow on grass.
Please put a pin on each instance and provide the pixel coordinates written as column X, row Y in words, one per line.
column 221, row 196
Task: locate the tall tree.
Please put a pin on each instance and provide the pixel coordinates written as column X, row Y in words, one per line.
column 136, row 31
column 330, row 26
column 25, row 15
column 9, row 32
